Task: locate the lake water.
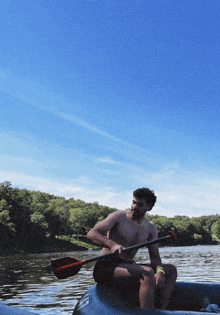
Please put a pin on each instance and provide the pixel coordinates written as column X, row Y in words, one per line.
column 27, row 283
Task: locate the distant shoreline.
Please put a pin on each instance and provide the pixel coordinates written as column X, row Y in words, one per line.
column 57, row 245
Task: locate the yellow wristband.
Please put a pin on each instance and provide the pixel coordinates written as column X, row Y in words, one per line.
column 160, row 269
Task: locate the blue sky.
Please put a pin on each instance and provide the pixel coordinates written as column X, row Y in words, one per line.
column 99, row 98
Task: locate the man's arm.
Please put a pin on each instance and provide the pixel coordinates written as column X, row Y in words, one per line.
column 97, row 234
column 155, row 256
column 155, row 259
column 153, row 249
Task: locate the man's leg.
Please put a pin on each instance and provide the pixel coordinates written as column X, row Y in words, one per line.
column 166, row 291
column 138, row 274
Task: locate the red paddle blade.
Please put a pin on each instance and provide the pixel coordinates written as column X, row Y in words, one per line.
column 173, row 236
column 66, row 267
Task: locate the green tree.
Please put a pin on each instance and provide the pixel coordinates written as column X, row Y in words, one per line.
column 58, row 217
column 6, row 226
column 216, row 229
column 4, row 212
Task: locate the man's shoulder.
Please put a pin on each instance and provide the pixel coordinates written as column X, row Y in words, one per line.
column 117, row 214
column 115, row 217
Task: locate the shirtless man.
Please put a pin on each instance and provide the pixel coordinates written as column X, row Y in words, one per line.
column 125, row 229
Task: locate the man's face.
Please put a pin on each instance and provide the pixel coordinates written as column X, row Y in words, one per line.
column 139, row 208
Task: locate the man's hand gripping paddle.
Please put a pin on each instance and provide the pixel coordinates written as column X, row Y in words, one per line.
column 67, row 266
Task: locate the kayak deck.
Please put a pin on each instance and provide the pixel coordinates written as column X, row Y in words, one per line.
column 187, row 298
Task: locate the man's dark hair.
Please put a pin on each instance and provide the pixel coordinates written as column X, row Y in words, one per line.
column 147, row 194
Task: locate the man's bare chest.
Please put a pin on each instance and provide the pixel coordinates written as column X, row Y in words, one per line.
column 128, row 233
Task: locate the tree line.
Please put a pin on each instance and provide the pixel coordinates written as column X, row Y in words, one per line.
column 31, row 219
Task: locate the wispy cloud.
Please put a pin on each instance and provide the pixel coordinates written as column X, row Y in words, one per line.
column 79, row 190
column 58, row 105
column 108, row 160
column 82, row 123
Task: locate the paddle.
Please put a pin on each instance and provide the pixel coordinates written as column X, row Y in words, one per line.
column 67, row 266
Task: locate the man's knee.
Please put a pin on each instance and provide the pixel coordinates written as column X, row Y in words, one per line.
column 170, row 270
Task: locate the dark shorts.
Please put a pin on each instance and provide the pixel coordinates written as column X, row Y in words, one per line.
column 104, row 269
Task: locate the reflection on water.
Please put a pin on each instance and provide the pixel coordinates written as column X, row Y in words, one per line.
column 25, row 280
